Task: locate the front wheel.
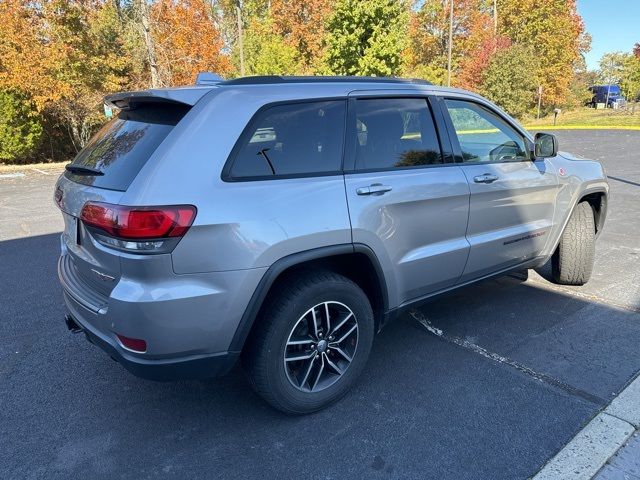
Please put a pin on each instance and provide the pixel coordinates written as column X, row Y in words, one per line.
column 572, row 262
column 311, row 342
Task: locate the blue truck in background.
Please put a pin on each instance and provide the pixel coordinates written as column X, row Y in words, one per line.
column 607, row 94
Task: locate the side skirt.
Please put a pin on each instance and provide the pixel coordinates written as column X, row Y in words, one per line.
column 417, row 302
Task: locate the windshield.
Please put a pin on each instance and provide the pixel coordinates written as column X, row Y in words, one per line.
column 121, row 148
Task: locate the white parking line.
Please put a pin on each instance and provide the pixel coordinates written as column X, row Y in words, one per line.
column 40, row 171
column 541, row 377
column 12, row 175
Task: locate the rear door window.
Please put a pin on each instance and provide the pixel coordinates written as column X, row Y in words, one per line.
column 395, row 133
column 121, row 148
column 292, row 139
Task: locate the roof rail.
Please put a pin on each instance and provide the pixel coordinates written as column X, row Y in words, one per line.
column 274, row 79
column 208, row 78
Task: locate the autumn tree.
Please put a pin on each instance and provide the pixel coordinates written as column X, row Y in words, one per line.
column 554, row 31
column 473, row 35
column 266, row 52
column 508, row 81
column 186, row 41
column 91, row 61
column 301, row 23
column 630, row 83
column 25, row 59
column 366, row 38
column 225, row 16
column 58, row 58
column 612, row 67
column 622, row 69
column 636, row 50
column 64, row 55
column 473, row 67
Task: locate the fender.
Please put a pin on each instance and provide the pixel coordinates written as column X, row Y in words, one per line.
column 600, row 221
column 272, row 273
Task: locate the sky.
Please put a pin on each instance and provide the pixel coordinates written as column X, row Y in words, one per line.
column 614, row 25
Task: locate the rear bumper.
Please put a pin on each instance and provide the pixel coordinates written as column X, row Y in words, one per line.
column 178, row 368
column 187, row 321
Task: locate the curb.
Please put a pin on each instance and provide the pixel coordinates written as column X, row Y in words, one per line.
column 583, row 127
column 33, row 166
column 626, row 406
column 598, row 441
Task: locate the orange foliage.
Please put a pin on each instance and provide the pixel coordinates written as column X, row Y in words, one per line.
column 555, row 32
column 187, row 41
column 473, row 66
column 25, row 57
column 429, row 31
column 301, row 23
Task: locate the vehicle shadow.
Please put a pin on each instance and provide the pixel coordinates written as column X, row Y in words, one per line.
column 426, row 406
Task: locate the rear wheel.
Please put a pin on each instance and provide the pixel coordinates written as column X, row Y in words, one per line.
column 572, row 262
column 311, row 342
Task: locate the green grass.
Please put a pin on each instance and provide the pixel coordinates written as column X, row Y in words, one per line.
column 591, row 118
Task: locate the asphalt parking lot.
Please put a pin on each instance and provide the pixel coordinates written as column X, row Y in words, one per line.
column 505, row 373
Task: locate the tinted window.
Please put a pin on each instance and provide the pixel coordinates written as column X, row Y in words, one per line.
column 123, row 146
column 483, row 135
column 300, row 138
column 394, row 133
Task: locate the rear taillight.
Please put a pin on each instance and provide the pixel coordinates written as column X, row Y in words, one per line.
column 139, row 229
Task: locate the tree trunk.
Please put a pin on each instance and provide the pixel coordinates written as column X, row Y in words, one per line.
column 142, row 10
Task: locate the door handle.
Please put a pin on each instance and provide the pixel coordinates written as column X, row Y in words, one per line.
column 375, row 189
column 485, row 178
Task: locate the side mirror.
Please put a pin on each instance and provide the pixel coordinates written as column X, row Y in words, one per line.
column 545, row 145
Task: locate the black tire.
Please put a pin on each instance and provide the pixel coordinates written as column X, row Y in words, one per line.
column 263, row 356
column 572, row 262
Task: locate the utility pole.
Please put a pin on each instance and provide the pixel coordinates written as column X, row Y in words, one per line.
column 539, row 100
column 609, row 79
column 240, row 40
column 450, row 43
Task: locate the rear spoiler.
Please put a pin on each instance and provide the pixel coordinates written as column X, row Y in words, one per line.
column 131, row 100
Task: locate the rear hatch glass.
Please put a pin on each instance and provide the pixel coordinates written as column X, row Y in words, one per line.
column 121, row 148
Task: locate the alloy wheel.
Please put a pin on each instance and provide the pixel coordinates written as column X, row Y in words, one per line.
column 321, row 346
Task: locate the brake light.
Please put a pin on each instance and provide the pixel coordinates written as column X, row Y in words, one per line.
column 138, row 229
column 139, row 222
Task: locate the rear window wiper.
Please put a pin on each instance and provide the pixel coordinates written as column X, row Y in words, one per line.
column 82, row 170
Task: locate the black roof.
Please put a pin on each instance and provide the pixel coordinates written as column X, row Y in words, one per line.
column 275, row 79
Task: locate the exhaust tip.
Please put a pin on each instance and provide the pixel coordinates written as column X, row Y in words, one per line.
column 72, row 325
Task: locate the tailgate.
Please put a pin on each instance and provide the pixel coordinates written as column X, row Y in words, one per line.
column 90, row 264
column 102, row 172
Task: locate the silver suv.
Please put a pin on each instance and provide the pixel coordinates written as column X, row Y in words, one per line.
column 285, row 220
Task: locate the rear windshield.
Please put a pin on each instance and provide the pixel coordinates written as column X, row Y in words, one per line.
column 121, row 148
